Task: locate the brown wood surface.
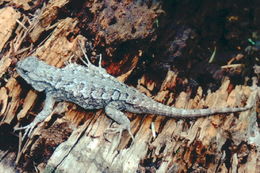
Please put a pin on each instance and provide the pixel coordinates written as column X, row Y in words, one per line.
column 72, row 139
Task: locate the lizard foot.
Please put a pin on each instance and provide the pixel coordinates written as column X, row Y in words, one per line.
column 87, row 62
column 120, row 129
column 28, row 130
column 47, row 110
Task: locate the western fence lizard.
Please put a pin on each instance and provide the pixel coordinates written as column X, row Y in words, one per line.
column 92, row 87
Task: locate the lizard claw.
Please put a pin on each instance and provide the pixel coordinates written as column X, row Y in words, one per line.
column 113, row 130
column 28, row 130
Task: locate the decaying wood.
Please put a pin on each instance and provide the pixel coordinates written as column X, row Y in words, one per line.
column 174, row 147
column 8, row 18
column 71, row 139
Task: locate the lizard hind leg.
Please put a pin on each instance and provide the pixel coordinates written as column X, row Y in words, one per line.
column 113, row 111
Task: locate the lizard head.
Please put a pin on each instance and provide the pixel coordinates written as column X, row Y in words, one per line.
column 33, row 71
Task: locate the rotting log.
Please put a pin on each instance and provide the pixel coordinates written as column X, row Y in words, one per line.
column 72, row 140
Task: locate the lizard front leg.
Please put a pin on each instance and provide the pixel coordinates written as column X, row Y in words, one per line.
column 46, row 111
column 113, row 111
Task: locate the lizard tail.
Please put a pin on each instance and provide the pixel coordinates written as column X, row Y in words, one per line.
column 161, row 109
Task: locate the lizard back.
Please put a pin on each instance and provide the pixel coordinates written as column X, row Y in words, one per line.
column 92, row 87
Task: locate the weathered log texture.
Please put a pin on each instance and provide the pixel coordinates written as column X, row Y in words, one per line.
column 72, row 140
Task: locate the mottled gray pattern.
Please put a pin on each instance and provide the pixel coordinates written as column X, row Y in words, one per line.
column 92, row 87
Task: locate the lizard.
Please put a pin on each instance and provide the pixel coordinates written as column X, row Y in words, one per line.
column 91, row 87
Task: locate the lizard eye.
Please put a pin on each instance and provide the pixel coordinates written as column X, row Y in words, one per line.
column 22, row 71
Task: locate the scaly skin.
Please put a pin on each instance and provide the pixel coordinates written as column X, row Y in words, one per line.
column 92, row 87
